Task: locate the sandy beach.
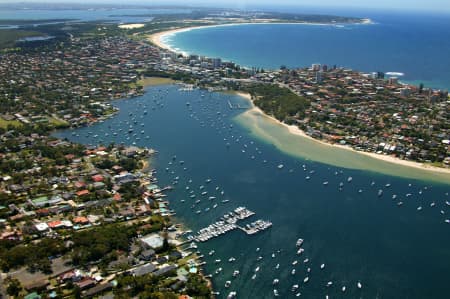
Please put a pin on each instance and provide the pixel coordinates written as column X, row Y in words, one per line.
column 298, row 132
column 157, row 38
column 131, row 26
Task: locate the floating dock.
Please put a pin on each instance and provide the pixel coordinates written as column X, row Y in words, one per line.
column 228, row 222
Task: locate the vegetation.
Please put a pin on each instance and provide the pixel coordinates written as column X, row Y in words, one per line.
column 280, row 102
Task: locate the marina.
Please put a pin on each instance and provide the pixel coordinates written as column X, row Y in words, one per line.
column 228, row 222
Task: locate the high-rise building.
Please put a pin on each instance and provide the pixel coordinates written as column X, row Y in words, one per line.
column 319, row 77
column 316, row 67
column 216, row 62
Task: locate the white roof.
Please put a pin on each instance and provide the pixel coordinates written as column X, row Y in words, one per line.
column 41, row 226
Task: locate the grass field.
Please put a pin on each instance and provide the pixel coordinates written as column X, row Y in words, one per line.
column 4, row 123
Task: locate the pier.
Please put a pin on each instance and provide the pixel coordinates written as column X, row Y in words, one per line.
column 228, row 222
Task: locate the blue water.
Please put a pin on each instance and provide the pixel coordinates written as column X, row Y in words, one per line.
column 122, row 15
column 395, row 252
column 413, row 44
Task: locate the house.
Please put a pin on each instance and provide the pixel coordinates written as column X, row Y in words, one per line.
column 142, row 270
column 153, row 241
column 86, row 283
column 147, row 255
column 165, row 270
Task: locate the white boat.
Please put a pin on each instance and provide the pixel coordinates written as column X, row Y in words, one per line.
column 359, row 285
column 227, row 284
column 257, row 269
column 235, row 273
column 299, row 242
column 280, row 166
column 294, row 263
column 343, row 289
column 322, row 266
column 306, row 279
column 275, row 281
column 275, row 293
column 294, row 288
column 293, row 272
column 329, row 284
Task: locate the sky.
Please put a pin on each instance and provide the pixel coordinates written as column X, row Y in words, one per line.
column 437, row 5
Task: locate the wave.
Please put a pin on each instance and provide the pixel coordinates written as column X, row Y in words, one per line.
column 396, row 74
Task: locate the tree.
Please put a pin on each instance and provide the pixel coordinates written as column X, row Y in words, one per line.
column 14, row 287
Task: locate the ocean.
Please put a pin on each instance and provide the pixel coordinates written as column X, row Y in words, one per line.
column 416, row 45
column 393, row 251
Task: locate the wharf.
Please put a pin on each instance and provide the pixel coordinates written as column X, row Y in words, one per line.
column 228, row 222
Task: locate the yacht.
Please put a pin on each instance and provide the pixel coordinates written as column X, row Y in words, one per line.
column 227, row 284
column 275, row 281
column 359, row 285
column 306, row 279
column 322, row 266
column 299, row 242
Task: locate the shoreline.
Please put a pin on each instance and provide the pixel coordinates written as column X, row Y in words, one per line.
column 157, row 38
column 294, row 130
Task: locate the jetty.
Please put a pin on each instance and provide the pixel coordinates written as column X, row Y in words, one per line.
column 228, row 222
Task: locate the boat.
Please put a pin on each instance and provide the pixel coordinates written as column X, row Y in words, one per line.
column 217, row 261
column 359, row 285
column 325, row 183
column 257, row 269
column 299, row 242
column 419, row 208
column 294, row 288
column 293, row 272
column 380, row 192
column 306, row 279
column 280, row 166
column 254, row 276
column 227, row 284
column 235, row 273
column 300, row 251
column 232, row 295
column 329, row 284
column 275, row 293
column 231, row 259
column 343, row 289
column 349, row 179
column 275, row 281
column 211, row 252
column 294, row 263
column 277, row 266
column 322, row 266
column 208, row 181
